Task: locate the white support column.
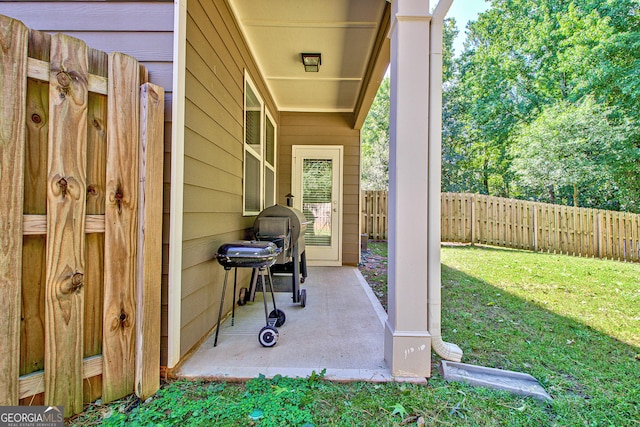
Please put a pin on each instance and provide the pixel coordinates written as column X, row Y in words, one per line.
column 407, row 339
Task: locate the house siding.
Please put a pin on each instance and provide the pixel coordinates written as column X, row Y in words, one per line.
column 143, row 30
column 326, row 129
column 216, row 60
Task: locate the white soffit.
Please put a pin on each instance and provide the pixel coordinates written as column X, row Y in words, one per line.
column 343, row 31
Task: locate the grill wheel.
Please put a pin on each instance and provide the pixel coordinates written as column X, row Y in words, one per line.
column 268, row 336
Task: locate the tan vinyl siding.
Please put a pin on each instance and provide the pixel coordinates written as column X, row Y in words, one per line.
column 326, row 129
column 216, row 59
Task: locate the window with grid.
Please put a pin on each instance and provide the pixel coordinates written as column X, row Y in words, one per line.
column 259, row 153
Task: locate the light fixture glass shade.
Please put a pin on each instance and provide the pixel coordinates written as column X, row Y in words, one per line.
column 311, row 62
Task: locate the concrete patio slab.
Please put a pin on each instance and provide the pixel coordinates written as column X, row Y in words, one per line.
column 514, row 382
column 341, row 329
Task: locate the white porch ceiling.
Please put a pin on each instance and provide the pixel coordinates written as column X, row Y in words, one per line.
column 343, row 31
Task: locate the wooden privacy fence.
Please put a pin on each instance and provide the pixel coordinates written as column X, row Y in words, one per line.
column 374, row 220
column 520, row 224
column 473, row 218
column 81, row 146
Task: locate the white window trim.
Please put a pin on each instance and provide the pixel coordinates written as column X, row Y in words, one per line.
column 265, row 117
column 248, row 148
column 269, row 118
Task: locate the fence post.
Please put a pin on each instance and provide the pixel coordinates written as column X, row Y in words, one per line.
column 363, row 228
column 13, row 95
column 535, row 226
column 473, row 219
column 596, row 234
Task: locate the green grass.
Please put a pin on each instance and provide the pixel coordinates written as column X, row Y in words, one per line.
column 573, row 323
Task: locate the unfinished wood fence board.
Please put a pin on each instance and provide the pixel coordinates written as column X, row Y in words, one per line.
column 634, row 239
column 579, row 231
column 35, row 205
column 120, row 228
column 149, row 263
column 13, row 73
column 96, row 184
column 608, row 238
column 66, row 205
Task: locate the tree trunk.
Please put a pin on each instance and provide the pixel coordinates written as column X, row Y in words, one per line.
column 552, row 194
column 485, row 176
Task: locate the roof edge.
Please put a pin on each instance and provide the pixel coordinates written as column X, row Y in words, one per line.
column 376, row 69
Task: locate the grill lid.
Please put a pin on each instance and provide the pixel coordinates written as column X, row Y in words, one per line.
column 297, row 220
column 247, row 253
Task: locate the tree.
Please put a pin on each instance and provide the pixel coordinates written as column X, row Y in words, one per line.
column 523, row 57
column 572, row 146
column 375, row 131
column 375, row 142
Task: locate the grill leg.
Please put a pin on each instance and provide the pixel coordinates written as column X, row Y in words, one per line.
column 254, row 283
column 295, row 277
column 264, row 298
column 224, row 287
column 303, row 264
column 233, row 307
column 273, row 297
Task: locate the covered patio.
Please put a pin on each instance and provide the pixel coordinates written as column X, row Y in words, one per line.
column 340, row 330
column 313, row 338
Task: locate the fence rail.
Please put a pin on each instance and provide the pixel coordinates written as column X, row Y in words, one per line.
column 81, row 146
column 520, row 224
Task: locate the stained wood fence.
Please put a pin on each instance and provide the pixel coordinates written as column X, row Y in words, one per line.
column 81, row 147
column 520, row 224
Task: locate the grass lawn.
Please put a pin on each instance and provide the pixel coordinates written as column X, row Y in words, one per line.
column 573, row 323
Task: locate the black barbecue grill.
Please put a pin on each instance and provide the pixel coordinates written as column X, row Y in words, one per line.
column 259, row 256
column 286, row 227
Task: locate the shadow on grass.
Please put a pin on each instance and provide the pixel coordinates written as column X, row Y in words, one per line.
column 592, row 376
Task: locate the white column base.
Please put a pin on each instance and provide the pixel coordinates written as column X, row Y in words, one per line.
column 407, row 353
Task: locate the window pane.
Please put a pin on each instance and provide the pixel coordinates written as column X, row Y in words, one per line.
column 316, row 200
column 252, row 118
column 269, row 187
column 251, row 183
column 270, row 142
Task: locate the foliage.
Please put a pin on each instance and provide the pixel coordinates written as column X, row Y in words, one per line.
column 375, row 131
column 525, row 59
column 375, row 142
column 317, row 180
column 572, row 146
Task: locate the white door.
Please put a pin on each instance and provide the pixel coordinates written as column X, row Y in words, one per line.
column 317, row 189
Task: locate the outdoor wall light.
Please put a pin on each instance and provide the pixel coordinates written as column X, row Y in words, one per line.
column 311, row 62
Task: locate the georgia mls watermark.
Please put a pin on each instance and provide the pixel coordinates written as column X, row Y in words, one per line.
column 31, row 416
